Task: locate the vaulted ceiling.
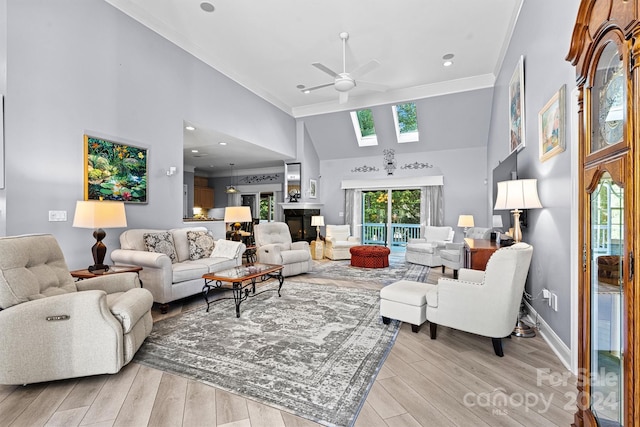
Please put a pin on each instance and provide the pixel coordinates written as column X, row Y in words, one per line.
column 269, row 46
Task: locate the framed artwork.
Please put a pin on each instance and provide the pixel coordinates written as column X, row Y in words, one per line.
column 551, row 126
column 114, row 171
column 313, row 189
column 1, row 141
column 516, row 108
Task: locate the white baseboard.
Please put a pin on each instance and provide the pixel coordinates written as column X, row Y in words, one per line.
column 557, row 345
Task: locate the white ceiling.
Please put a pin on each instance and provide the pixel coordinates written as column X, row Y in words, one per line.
column 269, row 46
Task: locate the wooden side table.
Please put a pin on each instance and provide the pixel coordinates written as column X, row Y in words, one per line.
column 114, row 269
column 477, row 253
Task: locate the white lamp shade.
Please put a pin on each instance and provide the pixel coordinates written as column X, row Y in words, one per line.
column 237, row 214
column 99, row 214
column 518, row 194
column 465, row 221
column 497, row 221
column 317, row 221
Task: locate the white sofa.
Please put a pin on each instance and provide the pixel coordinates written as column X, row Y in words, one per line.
column 426, row 250
column 338, row 241
column 170, row 281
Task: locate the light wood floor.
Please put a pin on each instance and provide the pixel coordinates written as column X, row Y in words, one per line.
column 455, row 380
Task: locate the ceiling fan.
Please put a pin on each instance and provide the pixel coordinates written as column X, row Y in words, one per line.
column 343, row 82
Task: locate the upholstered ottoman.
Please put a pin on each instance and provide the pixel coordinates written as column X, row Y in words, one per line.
column 406, row 301
column 370, row 256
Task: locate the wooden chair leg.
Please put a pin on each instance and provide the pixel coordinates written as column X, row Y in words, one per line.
column 386, row 320
column 443, row 269
column 497, row 346
column 415, row 328
column 432, row 330
column 455, row 274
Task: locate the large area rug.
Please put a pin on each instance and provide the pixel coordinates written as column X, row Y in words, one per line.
column 313, row 352
column 398, row 269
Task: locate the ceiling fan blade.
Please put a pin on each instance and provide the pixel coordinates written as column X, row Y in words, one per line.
column 316, row 87
column 326, row 69
column 372, row 86
column 344, row 97
column 365, row 68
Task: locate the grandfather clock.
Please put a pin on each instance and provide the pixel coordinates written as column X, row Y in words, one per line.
column 605, row 49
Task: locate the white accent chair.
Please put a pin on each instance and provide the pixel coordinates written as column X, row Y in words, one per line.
column 426, row 250
column 452, row 256
column 274, row 246
column 482, row 302
column 338, row 241
column 53, row 328
column 478, row 233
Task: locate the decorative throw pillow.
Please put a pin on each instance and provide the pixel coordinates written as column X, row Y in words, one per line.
column 161, row 243
column 201, row 244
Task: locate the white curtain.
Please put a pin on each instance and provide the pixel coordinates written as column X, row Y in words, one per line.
column 431, row 206
column 353, row 211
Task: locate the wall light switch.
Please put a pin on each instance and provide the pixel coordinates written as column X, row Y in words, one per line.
column 341, row 214
column 554, row 302
column 57, row 216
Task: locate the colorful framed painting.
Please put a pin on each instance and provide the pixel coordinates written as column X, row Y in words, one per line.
column 114, row 171
column 313, row 189
column 516, row 108
column 551, row 126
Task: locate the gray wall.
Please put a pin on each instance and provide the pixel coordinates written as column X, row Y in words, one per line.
column 464, row 181
column 542, row 35
column 76, row 67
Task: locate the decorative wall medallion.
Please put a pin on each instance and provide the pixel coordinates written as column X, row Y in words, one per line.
column 416, row 165
column 389, row 161
column 365, row 168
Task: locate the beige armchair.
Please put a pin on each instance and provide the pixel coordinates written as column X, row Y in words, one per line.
column 52, row 327
column 274, row 246
column 452, row 256
column 482, row 302
column 426, row 250
column 338, row 241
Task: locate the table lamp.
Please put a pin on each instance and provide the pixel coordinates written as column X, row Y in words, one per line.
column 465, row 221
column 317, row 221
column 515, row 195
column 237, row 215
column 497, row 222
column 98, row 214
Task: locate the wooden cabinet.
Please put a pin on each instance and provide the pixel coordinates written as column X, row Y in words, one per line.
column 605, row 50
column 202, row 194
column 477, row 253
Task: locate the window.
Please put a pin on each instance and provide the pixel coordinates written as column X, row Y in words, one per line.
column 364, row 127
column 406, row 122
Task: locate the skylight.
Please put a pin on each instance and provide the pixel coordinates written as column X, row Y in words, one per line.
column 406, row 122
column 364, row 127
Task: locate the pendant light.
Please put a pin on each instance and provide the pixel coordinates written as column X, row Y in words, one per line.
column 231, row 189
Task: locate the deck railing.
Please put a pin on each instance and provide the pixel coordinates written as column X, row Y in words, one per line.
column 376, row 233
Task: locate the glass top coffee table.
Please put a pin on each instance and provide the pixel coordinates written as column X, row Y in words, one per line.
column 243, row 281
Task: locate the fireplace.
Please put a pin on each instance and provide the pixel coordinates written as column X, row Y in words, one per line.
column 299, row 222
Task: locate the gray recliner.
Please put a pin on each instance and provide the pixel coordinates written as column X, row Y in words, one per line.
column 52, row 327
column 274, row 246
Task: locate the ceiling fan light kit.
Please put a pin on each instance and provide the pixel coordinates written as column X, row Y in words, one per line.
column 344, row 82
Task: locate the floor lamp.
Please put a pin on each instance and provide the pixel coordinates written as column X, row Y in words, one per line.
column 516, row 195
column 317, row 245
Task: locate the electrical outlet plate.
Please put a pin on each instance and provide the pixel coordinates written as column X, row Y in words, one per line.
column 57, row 216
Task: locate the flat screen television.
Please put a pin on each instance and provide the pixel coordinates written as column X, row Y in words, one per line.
column 505, row 171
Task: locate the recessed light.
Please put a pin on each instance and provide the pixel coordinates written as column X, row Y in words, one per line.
column 306, row 91
column 448, row 59
column 222, row 143
column 189, row 127
column 300, row 86
column 447, row 63
column 207, row 7
column 194, row 151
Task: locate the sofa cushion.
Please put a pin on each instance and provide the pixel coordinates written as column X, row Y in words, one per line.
column 161, row 243
column 425, row 248
column 188, row 270
column 180, row 241
column 201, row 244
column 293, row 256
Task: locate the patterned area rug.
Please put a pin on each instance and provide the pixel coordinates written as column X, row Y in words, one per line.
column 398, row 269
column 313, row 352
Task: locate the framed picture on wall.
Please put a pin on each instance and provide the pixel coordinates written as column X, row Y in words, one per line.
column 516, row 108
column 114, row 171
column 313, row 189
column 551, row 125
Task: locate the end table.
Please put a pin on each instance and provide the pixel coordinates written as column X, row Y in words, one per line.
column 317, row 249
column 114, row 269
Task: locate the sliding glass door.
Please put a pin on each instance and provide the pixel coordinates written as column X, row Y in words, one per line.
column 390, row 217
